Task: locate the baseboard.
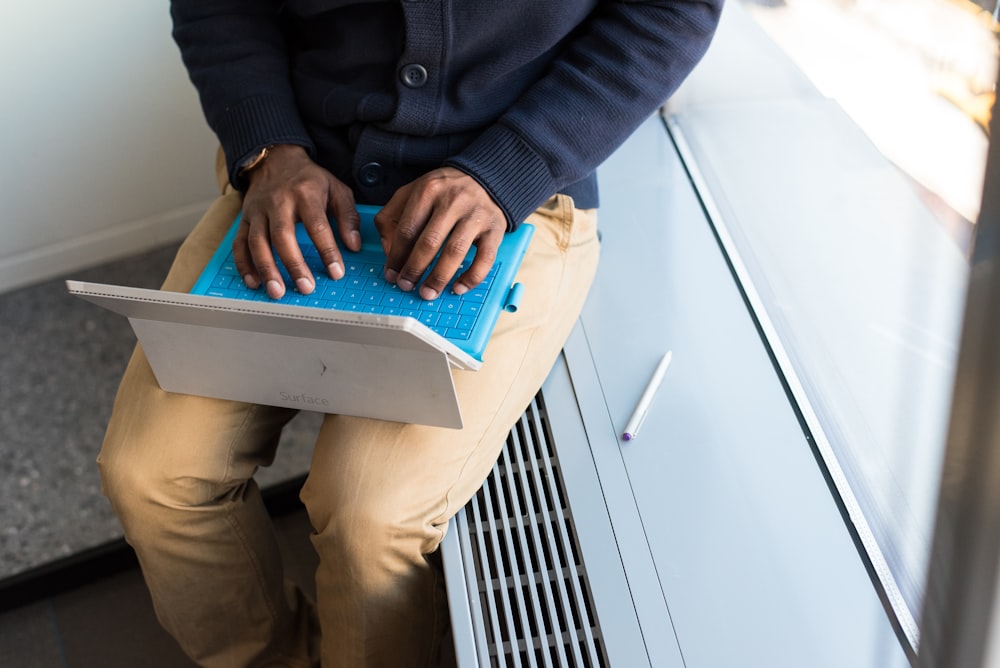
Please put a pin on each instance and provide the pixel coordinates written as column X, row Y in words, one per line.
column 109, row 244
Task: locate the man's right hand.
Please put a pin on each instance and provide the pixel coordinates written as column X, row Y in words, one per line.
column 288, row 187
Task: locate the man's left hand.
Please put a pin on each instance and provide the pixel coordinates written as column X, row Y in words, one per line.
column 444, row 210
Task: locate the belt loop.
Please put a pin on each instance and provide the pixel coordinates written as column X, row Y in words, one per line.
column 566, row 215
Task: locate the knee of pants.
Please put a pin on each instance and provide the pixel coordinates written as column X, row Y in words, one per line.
column 370, row 538
column 135, row 481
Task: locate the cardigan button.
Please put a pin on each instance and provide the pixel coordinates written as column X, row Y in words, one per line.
column 370, row 174
column 413, row 76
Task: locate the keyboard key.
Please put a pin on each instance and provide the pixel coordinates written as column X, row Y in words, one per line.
column 476, row 295
column 375, row 283
column 470, row 308
column 391, row 299
column 223, row 281
column 410, row 301
column 334, row 290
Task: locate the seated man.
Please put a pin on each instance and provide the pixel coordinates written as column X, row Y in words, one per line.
column 463, row 119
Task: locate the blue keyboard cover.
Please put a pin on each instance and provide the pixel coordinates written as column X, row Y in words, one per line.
column 364, row 289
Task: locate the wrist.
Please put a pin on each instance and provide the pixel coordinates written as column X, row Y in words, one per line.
column 267, row 158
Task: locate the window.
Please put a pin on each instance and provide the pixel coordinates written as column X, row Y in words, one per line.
column 844, row 189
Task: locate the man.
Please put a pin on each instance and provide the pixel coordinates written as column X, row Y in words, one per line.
column 463, row 119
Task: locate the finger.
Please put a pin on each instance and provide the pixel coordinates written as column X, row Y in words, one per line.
column 242, row 257
column 341, row 204
column 286, row 246
column 411, row 235
column 317, row 226
column 259, row 243
column 387, row 220
column 453, row 253
column 486, row 255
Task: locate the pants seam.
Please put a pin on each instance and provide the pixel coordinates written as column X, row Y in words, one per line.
column 258, row 572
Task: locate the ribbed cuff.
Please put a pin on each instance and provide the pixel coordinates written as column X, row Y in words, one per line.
column 511, row 171
column 255, row 123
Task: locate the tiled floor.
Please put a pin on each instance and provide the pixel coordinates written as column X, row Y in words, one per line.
column 60, row 361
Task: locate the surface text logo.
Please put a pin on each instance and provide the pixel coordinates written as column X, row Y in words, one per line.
column 303, row 399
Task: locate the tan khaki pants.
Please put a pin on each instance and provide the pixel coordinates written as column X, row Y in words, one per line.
column 179, row 469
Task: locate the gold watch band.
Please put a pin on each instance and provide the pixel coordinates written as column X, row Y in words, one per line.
column 255, row 161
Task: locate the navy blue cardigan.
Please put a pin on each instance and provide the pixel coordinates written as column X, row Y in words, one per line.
column 527, row 96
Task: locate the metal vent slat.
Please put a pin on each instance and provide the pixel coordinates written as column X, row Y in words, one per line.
column 546, row 624
column 529, row 595
column 486, row 593
column 568, row 543
column 555, row 563
column 503, row 562
column 524, row 581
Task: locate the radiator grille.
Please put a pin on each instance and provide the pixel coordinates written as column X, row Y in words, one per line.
column 521, row 555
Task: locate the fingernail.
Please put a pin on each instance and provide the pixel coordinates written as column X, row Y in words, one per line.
column 275, row 289
column 428, row 294
column 251, row 281
column 304, row 285
column 336, row 270
column 355, row 240
column 459, row 289
column 405, row 285
column 391, row 275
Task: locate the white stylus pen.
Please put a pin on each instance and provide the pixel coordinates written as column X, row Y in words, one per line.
column 642, row 408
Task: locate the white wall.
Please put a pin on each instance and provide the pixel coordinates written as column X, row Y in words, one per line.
column 104, row 151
